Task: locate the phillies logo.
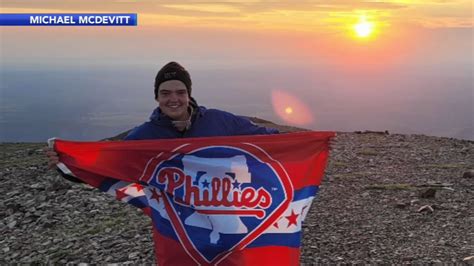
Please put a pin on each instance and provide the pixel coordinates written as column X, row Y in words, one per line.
column 224, row 193
column 218, row 199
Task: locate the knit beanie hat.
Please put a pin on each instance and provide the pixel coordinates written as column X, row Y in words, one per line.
column 173, row 71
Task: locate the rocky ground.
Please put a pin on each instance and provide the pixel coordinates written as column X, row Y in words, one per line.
column 385, row 199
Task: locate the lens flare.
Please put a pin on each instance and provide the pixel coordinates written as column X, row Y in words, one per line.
column 291, row 109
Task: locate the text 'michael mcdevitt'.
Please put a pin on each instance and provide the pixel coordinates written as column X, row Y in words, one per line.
column 81, row 20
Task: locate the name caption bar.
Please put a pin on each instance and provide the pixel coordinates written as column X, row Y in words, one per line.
column 96, row 19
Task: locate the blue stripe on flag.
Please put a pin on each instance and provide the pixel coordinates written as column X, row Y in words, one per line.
column 277, row 239
column 305, row 192
column 288, row 240
column 139, row 202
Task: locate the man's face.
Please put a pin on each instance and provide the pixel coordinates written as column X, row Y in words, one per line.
column 173, row 99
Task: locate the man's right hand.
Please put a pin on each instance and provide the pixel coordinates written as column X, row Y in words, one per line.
column 53, row 157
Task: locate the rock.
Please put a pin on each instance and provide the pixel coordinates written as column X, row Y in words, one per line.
column 58, row 184
column 414, row 201
column 426, row 208
column 428, row 193
column 469, row 260
column 468, row 174
column 133, row 255
column 36, row 186
column 11, row 224
column 373, row 132
column 401, row 205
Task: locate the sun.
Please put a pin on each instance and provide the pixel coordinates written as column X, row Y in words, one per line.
column 363, row 28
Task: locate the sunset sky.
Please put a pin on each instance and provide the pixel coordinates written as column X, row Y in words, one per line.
column 311, row 16
column 345, row 51
column 308, row 28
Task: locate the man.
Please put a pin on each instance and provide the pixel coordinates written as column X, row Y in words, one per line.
column 239, row 204
column 179, row 116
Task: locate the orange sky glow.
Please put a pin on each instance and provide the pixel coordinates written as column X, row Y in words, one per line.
column 343, row 32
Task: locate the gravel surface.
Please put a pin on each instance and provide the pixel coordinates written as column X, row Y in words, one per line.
column 384, row 199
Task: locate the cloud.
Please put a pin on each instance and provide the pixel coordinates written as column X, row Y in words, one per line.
column 150, row 6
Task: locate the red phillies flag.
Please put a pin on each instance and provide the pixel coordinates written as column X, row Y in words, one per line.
column 220, row 200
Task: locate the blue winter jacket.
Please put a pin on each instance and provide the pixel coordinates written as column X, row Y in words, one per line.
column 205, row 123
